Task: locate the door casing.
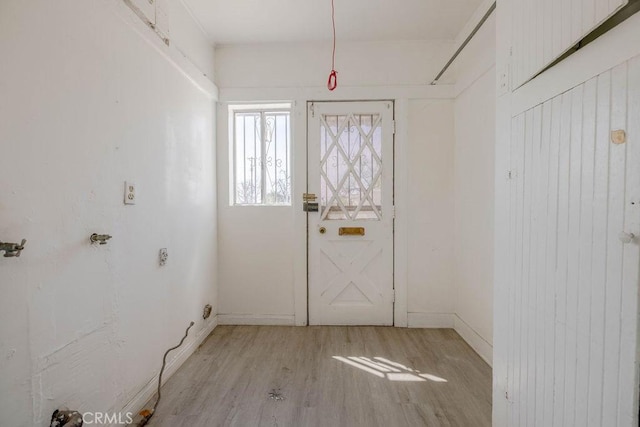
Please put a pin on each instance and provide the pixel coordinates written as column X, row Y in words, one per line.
column 386, row 224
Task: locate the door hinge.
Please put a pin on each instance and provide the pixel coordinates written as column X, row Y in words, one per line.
column 312, row 108
column 393, row 296
column 393, row 212
column 393, row 127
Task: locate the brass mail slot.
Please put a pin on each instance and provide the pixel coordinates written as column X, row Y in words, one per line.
column 351, row 231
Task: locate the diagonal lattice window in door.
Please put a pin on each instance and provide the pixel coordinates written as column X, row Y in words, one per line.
column 351, row 167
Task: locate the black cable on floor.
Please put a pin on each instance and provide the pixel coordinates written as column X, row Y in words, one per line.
column 150, row 413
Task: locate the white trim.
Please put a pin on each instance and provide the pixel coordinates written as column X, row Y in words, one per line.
column 233, row 110
column 171, row 53
column 613, row 48
column 501, row 403
column 474, row 339
column 345, row 93
column 430, row 320
column 400, row 199
column 471, row 24
column 254, row 108
column 136, row 404
column 380, row 311
column 299, row 186
column 256, row 319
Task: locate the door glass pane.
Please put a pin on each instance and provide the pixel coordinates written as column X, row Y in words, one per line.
column 351, row 166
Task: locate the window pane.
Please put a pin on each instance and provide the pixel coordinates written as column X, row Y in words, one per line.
column 262, row 157
column 351, row 167
column 277, row 158
column 248, row 158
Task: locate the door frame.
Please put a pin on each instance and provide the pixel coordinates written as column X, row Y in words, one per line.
column 393, row 189
column 400, row 111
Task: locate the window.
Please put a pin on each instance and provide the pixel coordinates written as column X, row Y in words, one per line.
column 261, row 154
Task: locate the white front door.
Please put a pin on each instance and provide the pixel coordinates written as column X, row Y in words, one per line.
column 350, row 169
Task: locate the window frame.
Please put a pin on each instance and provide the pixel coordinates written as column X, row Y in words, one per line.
column 262, row 109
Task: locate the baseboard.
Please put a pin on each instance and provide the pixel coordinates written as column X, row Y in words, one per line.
column 136, row 404
column 256, row 319
column 430, row 320
column 475, row 340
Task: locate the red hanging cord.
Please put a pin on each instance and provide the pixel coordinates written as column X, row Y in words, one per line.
column 332, row 83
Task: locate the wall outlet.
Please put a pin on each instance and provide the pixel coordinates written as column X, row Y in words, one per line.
column 129, row 193
column 503, row 82
column 163, row 256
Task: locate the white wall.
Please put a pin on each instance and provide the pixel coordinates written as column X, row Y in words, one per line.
column 430, row 213
column 474, row 113
column 277, row 236
column 189, row 38
column 86, row 104
column 474, row 199
column 256, row 263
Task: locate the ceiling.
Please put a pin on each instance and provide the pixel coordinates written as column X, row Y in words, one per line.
column 279, row 21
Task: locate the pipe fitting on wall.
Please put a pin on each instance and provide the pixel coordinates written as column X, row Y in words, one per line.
column 12, row 249
column 99, row 238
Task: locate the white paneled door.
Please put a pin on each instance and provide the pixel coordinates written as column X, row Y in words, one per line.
column 574, row 256
column 350, row 173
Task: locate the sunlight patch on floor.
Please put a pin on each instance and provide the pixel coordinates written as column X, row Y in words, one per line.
column 384, row 368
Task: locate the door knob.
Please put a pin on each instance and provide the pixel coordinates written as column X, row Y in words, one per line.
column 626, row 238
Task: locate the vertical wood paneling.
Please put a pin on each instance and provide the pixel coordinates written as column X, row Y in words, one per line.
column 588, row 15
column 561, row 259
column 551, row 252
column 548, row 16
column 585, row 249
column 536, row 125
column 599, row 256
column 526, row 266
column 540, row 28
column 518, row 151
column 573, row 315
column 576, row 19
column 614, row 248
column 556, row 37
column 628, row 372
column 573, row 248
column 529, row 36
column 602, row 8
column 566, row 23
column 542, row 139
column 537, row 44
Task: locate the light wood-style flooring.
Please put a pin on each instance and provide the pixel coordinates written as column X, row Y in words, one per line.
column 328, row 376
